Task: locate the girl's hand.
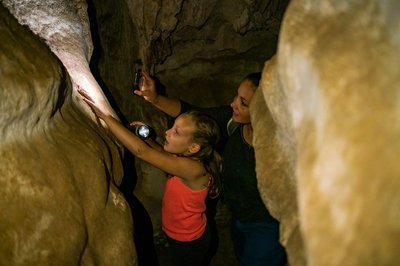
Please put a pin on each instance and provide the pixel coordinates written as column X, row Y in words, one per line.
column 87, row 99
column 147, row 88
column 135, row 123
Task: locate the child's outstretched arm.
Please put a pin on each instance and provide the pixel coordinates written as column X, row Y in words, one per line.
column 127, row 138
column 180, row 166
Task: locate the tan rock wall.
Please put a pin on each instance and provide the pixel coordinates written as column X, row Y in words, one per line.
column 276, row 160
column 58, row 172
column 338, row 105
column 326, row 122
column 64, row 26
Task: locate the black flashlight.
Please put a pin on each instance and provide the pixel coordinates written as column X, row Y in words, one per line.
column 142, row 131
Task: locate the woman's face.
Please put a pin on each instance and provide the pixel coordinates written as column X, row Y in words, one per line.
column 240, row 103
column 179, row 137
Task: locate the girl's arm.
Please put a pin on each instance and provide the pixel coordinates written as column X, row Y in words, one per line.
column 183, row 167
column 151, row 142
column 154, row 145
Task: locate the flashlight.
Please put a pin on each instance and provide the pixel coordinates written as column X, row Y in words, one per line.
column 142, row 131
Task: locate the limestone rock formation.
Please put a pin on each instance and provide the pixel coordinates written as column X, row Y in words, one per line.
column 201, row 50
column 59, row 172
column 333, row 94
column 276, row 160
column 64, row 26
column 326, row 120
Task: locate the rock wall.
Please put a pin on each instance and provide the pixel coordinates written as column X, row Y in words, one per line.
column 333, row 94
column 58, row 170
column 221, row 35
column 326, row 120
column 200, row 50
column 276, row 160
column 64, row 27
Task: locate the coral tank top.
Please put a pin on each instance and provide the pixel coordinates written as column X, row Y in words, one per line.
column 183, row 211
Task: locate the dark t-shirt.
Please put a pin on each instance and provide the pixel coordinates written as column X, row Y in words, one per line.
column 240, row 192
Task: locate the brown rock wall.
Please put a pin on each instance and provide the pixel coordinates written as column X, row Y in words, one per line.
column 59, row 173
column 276, row 160
column 63, row 25
column 337, row 106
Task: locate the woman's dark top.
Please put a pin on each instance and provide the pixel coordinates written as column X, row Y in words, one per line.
column 240, row 192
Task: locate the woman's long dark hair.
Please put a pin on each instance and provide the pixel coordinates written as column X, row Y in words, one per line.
column 207, row 135
column 253, row 78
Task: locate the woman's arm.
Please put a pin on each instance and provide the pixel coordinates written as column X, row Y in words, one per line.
column 173, row 107
column 170, row 106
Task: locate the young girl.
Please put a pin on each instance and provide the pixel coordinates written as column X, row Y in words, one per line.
column 189, row 156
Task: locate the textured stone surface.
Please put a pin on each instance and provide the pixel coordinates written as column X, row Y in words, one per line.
column 194, row 47
column 58, row 172
column 64, row 26
column 275, row 160
column 326, row 129
column 201, row 49
column 337, row 102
